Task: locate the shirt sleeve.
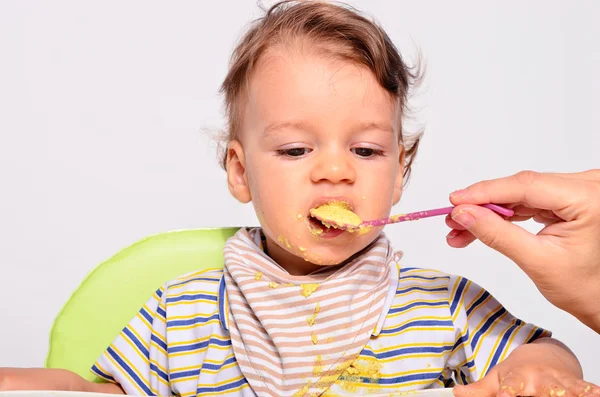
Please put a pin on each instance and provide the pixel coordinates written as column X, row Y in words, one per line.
column 485, row 332
column 137, row 358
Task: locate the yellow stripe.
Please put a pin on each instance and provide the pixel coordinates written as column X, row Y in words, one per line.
column 412, row 355
column 434, row 280
column 133, row 368
column 420, row 318
column 432, row 328
column 498, row 339
column 191, row 316
column 192, row 341
column 192, row 292
column 421, row 291
column 187, row 353
column 482, row 304
column 510, row 341
column 198, row 366
column 420, row 308
column 404, row 385
column 489, row 331
column 118, row 368
column 142, row 340
column 481, row 292
column 134, row 347
column 182, row 327
column 461, row 301
column 192, row 302
column 161, row 380
column 245, row 385
column 220, row 383
column 405, row 345
column 97, row 364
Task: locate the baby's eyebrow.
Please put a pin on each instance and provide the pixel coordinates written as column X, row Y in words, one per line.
column 274, row 128
column 282, row 125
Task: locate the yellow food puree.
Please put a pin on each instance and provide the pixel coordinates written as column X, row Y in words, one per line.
column 336, row 214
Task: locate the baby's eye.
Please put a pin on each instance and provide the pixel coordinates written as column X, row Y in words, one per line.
column 365, row 151
column 294, row 152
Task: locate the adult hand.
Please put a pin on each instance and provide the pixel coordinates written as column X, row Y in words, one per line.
column 563, row 258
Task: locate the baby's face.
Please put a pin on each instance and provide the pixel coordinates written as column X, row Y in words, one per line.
column 315, row 130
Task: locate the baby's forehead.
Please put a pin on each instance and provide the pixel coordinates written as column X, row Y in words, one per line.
column 312, row 87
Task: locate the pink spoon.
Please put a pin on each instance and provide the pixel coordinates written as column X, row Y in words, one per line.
column 413, row 216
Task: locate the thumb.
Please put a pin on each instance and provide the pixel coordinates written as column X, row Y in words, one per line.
column 486, row 387
column 510, row 240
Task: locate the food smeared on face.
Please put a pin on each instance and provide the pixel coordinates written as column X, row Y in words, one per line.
column 337, row 215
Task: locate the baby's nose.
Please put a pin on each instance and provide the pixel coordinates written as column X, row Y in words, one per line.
column 334, row 166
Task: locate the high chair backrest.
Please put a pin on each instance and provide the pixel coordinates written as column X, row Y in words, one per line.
column 115, row 290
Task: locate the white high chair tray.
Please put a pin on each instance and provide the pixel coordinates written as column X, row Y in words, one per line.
column 388, row 393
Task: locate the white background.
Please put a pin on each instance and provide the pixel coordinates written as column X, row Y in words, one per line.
column 107, row 110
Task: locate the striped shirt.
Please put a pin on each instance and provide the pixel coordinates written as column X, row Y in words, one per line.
column 440, row 329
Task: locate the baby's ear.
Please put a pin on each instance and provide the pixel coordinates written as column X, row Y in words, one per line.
column 398, row 183
column 237, row 179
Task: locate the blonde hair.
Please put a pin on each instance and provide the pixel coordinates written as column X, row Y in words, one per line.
column 335, row 30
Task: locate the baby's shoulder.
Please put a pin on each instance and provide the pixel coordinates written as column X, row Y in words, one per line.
column 418, row 275
column 193, row 291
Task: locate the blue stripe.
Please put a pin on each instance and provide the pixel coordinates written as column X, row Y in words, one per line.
column 419, row 323
column 463, row 378
column 194, row 279
column 490, row 321
column 414, row 304
column 193, row 297
column 197, row 346
column 391, row 381
column 146, row 315
column 102, row 374
column 221, row 388
column 222, row 314
column 536, row 335
column 196, row 372
column 159, row 292
column 408, row 269
column 437, row 289
column 127, row 369
column 503, row 343
column 159, row 342
column 426, row 278
column 162, row 312
column 406, row 350
column 458, row 295
column 477, row 302
column 160, row 373
column 192, row 321
column 136, row 342
column 461, row 342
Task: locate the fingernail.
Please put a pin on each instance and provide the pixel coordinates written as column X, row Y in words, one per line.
column 464, row 218
column 458, row 193
column 453, row 233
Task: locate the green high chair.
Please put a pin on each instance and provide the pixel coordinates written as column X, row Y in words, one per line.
column 113, row 292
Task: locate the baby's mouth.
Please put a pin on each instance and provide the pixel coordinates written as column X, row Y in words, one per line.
column 336, row 215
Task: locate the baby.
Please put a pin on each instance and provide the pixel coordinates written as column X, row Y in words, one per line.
column 315, row 98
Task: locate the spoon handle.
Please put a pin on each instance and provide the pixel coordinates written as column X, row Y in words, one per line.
column 413, row 216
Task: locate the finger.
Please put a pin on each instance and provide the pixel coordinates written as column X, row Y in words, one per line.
column 512, row 385
column 512, row 241
column 452, row 224
column 589, row 175
column 485, row 387
column 460, row 238
column 581, row 388
column 543, row 220
column 537, row 190
column 525, row 210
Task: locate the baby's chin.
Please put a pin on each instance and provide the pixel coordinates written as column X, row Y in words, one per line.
column 332, row 256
